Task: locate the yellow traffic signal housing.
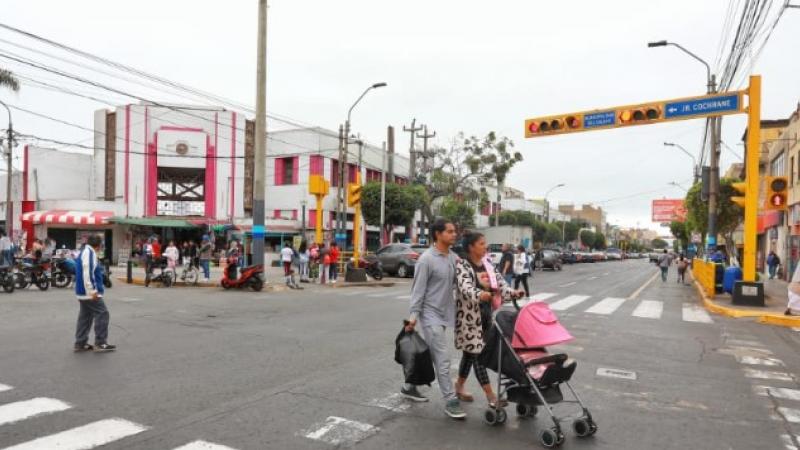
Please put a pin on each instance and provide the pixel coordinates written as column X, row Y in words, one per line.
column 641, row 115
column 353, row 194
column 740, row 187
column 777, row 193
column 317, row 185
column 554, row 125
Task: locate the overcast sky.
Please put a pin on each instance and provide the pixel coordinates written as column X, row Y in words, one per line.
column 454, row 65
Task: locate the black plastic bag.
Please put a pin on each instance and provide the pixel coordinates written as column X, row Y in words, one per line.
column 413, row 354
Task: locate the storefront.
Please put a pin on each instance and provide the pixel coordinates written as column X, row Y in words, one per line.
column 69, row 229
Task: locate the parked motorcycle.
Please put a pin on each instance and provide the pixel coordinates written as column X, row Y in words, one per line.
column 165, row 277
column 249, row 277
column 63, row 272
column 32, row 272
column 107, row 274
column 7, row 278
column 371, row 264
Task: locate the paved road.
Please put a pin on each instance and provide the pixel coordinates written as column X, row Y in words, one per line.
column 205, row 369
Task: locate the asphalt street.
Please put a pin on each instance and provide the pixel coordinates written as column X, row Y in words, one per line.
column 200, row 368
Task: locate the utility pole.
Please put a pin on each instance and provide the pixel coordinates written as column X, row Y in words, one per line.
column 383, row 192
column 412, row 169
column 260, row 156
column 340, row 188
column 9, row 174
column 425, row 136
column 713, row 188
column 390, row 148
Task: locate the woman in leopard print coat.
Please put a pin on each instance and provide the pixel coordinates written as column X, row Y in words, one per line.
column 473, row 312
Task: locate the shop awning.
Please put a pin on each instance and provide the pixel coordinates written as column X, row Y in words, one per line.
column 157, row 222
column 59, row 216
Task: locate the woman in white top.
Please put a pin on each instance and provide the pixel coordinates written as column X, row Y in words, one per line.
column 522, row 270
column 172, row 254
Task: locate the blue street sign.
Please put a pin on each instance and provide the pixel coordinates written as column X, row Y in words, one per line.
column 258, row 231
column 702, row 106
column 599, row 119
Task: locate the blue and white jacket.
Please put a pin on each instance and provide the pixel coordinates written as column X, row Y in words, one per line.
column 88, row 274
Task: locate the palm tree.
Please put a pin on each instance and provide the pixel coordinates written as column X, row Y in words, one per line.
column 8, row 80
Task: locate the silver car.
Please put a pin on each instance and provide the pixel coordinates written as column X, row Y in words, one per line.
column 400, row 259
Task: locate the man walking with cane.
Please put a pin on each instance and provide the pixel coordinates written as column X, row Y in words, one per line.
column 89, row 289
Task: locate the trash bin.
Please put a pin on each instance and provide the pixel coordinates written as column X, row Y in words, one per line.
column 719, row 274
column 732, row 275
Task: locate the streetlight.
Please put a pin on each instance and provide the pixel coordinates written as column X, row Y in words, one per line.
column 694, row 161
column 713, row 123
column 547, row 204
column 672, row 183
column 9, row 206
column 342, row 222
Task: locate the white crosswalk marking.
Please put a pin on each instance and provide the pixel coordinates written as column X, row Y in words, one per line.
column 542, row 296
column 790, row 414
column 783, row 393
column 695, row 313
column 606, row 306
column 649, row 309
column 568, row 302
column 755, row 361
column 5, row 387
column 766, row 374
column 85, row 437
column 203, row 445
column 788, row 442
column 14, row 412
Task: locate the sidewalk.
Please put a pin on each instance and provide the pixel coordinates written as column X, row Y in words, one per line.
column 775, row 298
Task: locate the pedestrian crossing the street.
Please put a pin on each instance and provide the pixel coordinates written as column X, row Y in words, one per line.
column 84, row 437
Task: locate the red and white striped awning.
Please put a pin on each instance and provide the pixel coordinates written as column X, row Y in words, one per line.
column 68, row 217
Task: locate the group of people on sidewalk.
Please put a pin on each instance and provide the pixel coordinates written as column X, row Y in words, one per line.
column 516, row 267
column 665, row 260
column 460, row 293
column 189, row 253
column 317, row 262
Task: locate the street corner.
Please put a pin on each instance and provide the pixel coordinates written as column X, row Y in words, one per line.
column 771, row 314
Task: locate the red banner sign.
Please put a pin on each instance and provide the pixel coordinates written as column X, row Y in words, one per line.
column 668, row 210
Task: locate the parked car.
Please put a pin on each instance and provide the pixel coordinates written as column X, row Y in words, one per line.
column 549, row 259
column 653, row 257
column 633, row 255
column 584, row 257
column 613, row 255
column 568, row 257
column 400, row 259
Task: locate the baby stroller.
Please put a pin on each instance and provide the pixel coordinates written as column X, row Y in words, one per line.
column 527, row 374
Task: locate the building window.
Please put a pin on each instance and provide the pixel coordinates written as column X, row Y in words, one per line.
column 352, row 170
column 778, row 166
column 373, row 175
column 791, row 174
column 315, row 164
column 286, row 171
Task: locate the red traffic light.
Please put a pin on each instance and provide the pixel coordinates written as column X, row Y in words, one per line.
column 572, row 122
column 533, row 127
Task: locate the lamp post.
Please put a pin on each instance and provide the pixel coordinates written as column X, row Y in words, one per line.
column 672, row 183
column 341, row 219
column 713, row 123
column 695, row 169
column 9, row 206
column 547, row 204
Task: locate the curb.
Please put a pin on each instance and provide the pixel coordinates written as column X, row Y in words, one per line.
column 269, row 287
column 765, row 318
column 367, row 284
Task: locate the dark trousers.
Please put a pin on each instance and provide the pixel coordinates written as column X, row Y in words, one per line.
column 522, row 278
column 92, row 311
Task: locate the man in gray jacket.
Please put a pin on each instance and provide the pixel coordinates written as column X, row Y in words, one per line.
column 433, row 305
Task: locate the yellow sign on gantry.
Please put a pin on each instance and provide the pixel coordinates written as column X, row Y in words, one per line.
column 659, row 111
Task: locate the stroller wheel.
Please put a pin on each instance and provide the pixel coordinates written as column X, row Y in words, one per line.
column 548, row 438
column 494, row 417
column 501, row 416
column 582, row 427
column 526, row 411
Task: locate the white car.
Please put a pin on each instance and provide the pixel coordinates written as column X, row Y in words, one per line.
column 495, row 252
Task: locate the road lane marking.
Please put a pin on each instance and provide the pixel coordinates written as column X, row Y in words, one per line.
column 616, row 373
column 341, row 431
column 695, row 313
column 568, row 284
column 649, row 309
column 742, row 342
column 790, row 414
column 766, row 374
column 203, row 445
column 14, row 412
column 606, row 306
column 394, row 402
column 642, row 287
column 85, row 437
column 592, row 278
column 752, row 360
column 568, row 302
column 782, row 393
column 5, row 387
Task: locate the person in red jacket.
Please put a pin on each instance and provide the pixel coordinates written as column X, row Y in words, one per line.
column 334, row 253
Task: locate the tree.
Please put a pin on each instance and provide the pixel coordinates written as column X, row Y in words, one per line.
column 517, row 217
column 458, row 212
column 587, row 238
column 8, row 80
column 659, row 243
column 678, row 229
column 552, row 233
column 599, row 241
column 729, row 214
column 571, row 230
column 401, row 203
column 496, row 155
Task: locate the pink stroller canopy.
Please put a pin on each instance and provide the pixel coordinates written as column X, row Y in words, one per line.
column 537, row 326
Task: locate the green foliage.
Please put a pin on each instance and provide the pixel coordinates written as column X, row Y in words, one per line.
column 678, row 230
column 599, row 241
column 729, row 214
column 518, row 218
column 571, row 230
column 401, row 202
column 461, row 214
column 587, row 238
column 552, row 233
column 659, row 243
